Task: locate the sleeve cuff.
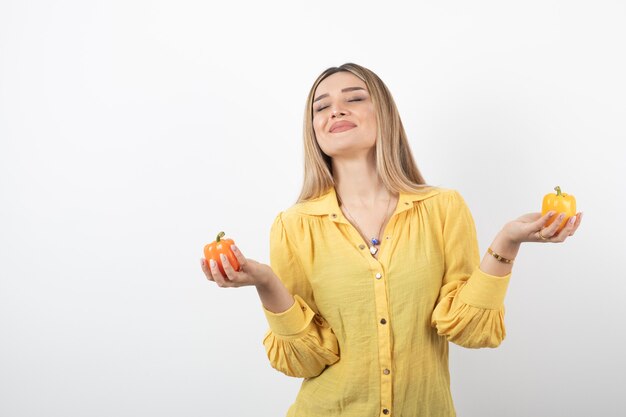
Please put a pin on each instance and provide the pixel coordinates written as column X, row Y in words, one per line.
column 293, row 321
column 485, row 291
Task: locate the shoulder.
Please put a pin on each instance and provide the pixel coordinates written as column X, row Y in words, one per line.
column 293, row 214
column 289, row 221
column 449, row 195
column 445, row 203
column 438, row 196
column 450, row 199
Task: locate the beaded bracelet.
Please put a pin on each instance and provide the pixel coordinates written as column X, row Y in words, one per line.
column 500, row 258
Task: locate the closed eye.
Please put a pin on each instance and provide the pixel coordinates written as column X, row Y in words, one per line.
column 319, row 109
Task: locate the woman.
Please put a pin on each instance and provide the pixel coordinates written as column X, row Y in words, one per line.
column 372, row 271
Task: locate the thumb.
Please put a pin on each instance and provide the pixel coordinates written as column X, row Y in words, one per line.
column 544, row 219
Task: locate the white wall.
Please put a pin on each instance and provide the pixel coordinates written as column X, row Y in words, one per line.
column 131, row 132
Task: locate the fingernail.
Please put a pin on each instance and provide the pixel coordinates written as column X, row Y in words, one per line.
column 212, row 263
column 572, row 220
column 550, row 213
column 222, row 257
column 234, row 248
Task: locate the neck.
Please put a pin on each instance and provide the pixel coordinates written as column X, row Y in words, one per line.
column 357, row 182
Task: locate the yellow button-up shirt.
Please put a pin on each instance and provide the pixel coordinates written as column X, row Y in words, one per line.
column 370, row 336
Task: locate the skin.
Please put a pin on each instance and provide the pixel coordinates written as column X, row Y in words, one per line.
column 364, row 198
column 353, row 159
column 354, row 148
column 352, row 152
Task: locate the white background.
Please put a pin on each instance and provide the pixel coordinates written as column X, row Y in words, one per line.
column 131, row 132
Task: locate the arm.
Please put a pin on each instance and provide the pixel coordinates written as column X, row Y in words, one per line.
column 470, row 308
column 274, row 295
column 505, row 247
column 299, row 341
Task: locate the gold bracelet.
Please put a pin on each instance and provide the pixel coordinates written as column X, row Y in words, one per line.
column 500, row 258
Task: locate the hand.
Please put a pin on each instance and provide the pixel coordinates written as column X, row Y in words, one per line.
column 531, row 228
column 250, row 273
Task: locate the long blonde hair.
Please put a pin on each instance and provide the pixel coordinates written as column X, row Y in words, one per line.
column 394, row 160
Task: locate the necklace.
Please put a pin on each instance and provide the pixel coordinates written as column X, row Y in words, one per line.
column 374, row 241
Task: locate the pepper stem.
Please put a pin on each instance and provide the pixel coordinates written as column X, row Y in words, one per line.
column 220, row 235
column 558, row 191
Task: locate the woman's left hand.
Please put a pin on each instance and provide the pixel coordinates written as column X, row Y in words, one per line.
column 531, row 227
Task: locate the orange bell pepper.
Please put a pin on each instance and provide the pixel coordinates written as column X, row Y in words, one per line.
column 560, row 203
column 219, row 246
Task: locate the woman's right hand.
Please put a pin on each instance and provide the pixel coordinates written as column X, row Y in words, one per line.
column 250, row 273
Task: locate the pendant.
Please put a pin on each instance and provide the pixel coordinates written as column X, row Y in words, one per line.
column 374, row 249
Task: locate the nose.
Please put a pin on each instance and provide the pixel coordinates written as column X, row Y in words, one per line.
column 338, row 112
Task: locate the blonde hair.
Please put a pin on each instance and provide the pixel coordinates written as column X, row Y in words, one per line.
column 394, row 160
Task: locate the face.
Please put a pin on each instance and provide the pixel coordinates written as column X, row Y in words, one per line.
column 344, row 117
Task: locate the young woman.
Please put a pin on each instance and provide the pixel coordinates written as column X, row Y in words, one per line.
column 372, row 271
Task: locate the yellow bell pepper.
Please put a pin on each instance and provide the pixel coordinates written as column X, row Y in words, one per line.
column 560, row 203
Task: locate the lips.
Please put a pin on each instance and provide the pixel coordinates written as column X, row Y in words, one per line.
column 341, row 126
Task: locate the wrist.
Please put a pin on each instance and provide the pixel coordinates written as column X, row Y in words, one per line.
column 505, row 246
column 274, row 295
column 508, row 236
column 267, row 281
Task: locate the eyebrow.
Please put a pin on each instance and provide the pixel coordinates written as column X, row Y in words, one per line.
column 344, row 90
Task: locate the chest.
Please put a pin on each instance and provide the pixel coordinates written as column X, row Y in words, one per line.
column 369, row 224
column 343, row 275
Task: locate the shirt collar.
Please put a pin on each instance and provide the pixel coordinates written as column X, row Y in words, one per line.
column 328, row 205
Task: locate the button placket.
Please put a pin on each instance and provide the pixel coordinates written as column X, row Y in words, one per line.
column 384, row 334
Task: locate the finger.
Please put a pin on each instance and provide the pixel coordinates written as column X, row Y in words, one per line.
column 217, row 275
column 240, row 258
column 550, row 231
column 228, row 268
column 565, row 232
column 541, row 222
column 579, row 218
column 537, row 227
column 529, row 217
column 205, row 269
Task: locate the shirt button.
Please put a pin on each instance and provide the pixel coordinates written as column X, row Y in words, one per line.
column 385, row 411
column 334, row 216
column 361, row 246
column 379, row 276
column 383, row 321
column 386, row 371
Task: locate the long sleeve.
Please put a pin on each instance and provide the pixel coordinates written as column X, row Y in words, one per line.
column 299, row 341
column 470, row 306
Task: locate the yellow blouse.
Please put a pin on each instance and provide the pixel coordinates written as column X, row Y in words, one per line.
column 370, row 336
